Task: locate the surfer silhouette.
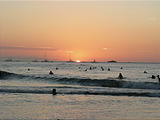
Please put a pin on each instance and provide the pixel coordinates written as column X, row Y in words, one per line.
column 54, row 92
column 120, row 76
column 145, row 71
column 51, row 73
column 102, row 68
column 153, row 77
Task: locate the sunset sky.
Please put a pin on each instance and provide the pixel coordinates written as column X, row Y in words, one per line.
column 81, row 30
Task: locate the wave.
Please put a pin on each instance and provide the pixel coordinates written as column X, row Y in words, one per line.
column 83, row 92
column 111, row 83
column 6, row 75
column 115, row 83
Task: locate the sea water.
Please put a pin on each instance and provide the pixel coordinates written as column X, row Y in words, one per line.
column 84, row 91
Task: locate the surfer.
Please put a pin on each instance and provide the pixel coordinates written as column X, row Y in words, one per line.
column 145, row 71
column 51, row 73
column 54, row 92
column 102, row 68
column 90, row 68
column 120, row 76
column 153, row 77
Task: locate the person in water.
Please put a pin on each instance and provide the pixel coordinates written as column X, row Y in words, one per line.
column 51, row 73
column 120, row 76
column 102, row 68
column 145, row 71
column 153, row 77
column 54, row 92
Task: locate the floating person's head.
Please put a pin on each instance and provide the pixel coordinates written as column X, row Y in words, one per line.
column 145, row 71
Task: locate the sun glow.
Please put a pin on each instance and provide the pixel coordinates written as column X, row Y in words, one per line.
column 78, row 61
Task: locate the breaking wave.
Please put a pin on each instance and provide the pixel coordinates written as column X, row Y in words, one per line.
column 115, row 83
column 81, row 92
column 7, row 75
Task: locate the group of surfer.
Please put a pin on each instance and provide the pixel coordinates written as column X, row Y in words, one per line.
column 153, row 76
column 120, row 76
column 51, row 72
column 101, row 68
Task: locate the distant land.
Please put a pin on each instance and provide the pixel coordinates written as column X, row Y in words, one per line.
column 112, row 61
column 14, row 59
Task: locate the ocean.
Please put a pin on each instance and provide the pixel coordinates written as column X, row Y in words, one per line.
column 85, row 91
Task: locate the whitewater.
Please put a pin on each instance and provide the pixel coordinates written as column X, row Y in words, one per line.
column 84, row 90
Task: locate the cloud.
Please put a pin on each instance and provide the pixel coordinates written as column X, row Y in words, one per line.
column 27, row 48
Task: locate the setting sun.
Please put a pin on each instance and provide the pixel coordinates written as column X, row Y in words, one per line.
column 59, row 30
column 78, row 61
column 72, row 56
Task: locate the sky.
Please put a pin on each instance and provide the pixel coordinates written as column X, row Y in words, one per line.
column 126, row 31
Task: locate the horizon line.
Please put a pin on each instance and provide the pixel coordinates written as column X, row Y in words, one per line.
column 74, row 61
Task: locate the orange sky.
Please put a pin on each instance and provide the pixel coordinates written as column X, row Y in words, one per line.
column 84, row 30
